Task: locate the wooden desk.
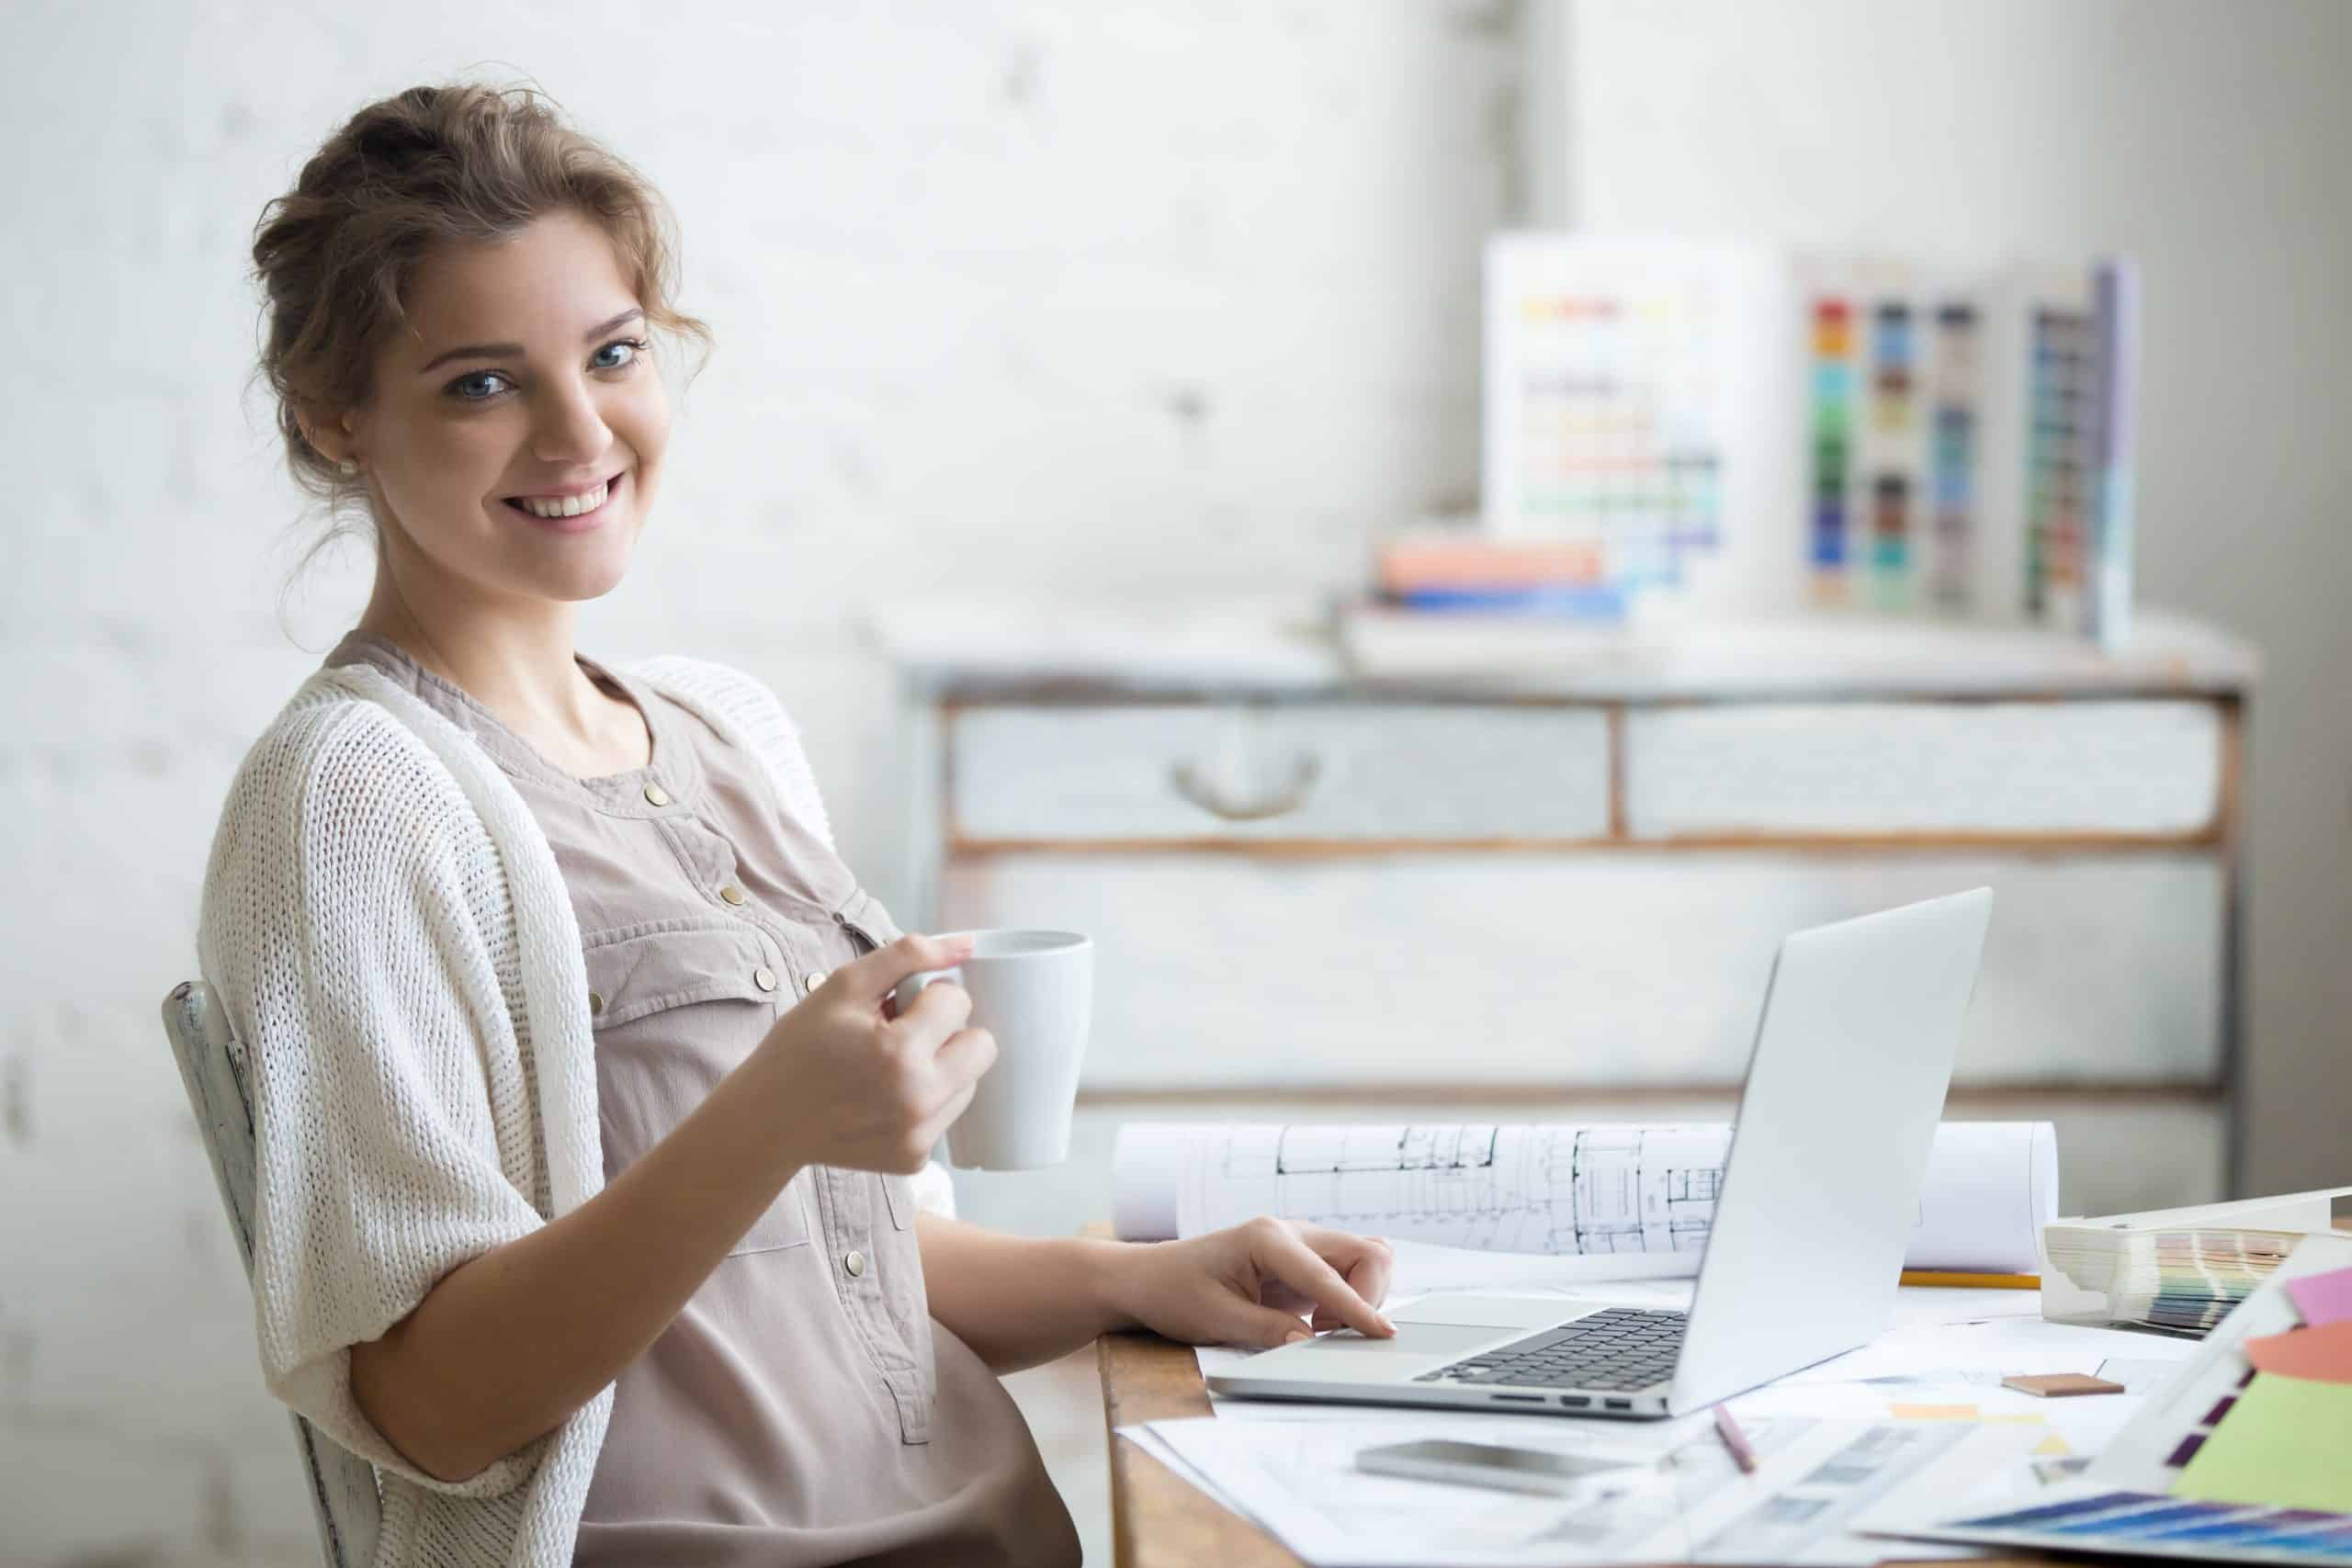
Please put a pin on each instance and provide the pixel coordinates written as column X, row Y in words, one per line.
column 1158, row 1519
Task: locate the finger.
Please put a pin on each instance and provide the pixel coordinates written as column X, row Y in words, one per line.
column 968, row 1053
column 935, row 1127
column 1243, row 1324
column 871, row 976
column 1325, row 1319
column 1282, row 1254
column 935, row 1016
column 1367, row 1263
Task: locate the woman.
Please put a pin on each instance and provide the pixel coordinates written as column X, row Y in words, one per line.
column 583, row 1130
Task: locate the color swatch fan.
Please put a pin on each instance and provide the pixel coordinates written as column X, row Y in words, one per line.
column 2180, row 1281
column 2178, row 1270
column 2243, row 1455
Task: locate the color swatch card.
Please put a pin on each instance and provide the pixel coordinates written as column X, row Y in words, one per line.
column 1770, row 430
column 2315, row 1352
column 1895, row 379
column 2285, row 1442
column 2324, row 1298
column 2244, row 1455
column 1618, row 376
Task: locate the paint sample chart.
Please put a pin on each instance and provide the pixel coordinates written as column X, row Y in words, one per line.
column 1731, row 427
column 1907, row 426
column 1895, row 424
column 1610, row 389
column 2243, row 1455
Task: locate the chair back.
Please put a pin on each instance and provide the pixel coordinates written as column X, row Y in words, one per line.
column 212, row 1065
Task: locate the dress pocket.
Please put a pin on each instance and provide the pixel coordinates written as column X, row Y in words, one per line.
column 676, row 1005
column 640, row 969
column 782, row 1223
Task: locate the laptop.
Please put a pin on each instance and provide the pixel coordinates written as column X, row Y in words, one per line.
column 1819, row 1194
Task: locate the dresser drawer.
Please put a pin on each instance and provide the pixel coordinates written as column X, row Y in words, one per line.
column 1355, row 772
column 2125, row 769
column 1595, row 967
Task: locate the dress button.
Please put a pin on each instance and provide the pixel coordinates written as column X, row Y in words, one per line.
column 854, row 1262
column 732, row 893
column 810, row 981
column 595, row 1001
column 764, row 978
column 656, row 795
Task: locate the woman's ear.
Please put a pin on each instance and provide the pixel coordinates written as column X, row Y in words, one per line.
column 331, row 439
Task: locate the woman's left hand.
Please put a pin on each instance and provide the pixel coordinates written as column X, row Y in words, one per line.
column 1248, row 1285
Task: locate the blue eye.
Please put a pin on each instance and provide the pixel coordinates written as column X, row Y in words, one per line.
column 630, row 347
column 470, row 389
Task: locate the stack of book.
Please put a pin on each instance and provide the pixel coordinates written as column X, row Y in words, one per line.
column 1456, row 571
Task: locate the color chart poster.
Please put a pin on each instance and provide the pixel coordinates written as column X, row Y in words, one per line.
column 1910, row 421
column 1622, row 378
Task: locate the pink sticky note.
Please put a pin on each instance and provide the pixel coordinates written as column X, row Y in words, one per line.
column 2321, row 1354
column 2324, row 1298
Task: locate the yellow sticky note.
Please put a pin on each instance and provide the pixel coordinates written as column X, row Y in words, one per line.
column 2287, row 1442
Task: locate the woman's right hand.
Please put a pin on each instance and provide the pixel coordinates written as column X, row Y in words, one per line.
column 864, row 1090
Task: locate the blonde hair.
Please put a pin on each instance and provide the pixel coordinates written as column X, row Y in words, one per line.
column 334, row 256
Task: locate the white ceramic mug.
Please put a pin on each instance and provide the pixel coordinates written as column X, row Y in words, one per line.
column 1034, row 990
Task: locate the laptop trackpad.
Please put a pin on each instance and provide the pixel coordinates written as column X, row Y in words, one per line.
column 1412, row 1340
column 1347, row 1355
column 1492, row 1312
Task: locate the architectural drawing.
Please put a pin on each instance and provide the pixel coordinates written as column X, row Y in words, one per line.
column 1556, row 1189
column 1597, row 1192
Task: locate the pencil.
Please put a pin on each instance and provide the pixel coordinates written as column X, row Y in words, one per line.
column 1971, row 1281
column 1734, row 1439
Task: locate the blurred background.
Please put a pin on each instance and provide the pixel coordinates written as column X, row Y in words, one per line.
column 1075, row 354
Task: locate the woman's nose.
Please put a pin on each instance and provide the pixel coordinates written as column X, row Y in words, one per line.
column 568, row 429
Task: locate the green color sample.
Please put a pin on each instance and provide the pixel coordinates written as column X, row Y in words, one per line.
column 2287, row 1442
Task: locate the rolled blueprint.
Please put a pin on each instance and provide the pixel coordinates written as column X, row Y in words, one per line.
column 1560, row 1191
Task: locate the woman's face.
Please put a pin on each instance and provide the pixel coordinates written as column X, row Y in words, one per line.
column 514, row 436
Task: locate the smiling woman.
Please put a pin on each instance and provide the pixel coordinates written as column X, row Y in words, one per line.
column 462, row 290
column 583, row 1134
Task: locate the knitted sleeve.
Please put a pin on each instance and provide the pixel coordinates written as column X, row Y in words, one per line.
column 355, row 928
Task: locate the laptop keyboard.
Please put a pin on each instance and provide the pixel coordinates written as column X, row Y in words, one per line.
column 1621, row 1348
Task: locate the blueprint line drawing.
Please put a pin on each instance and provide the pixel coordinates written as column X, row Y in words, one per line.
column 1558, row 1189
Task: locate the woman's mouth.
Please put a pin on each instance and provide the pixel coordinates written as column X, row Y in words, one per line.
column 572, row 513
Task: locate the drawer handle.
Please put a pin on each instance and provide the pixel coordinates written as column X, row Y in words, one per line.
column 1186, row 781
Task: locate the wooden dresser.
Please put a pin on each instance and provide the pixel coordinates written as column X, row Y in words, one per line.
column 1323, row 893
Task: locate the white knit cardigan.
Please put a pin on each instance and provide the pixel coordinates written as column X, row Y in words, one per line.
column 384, row 921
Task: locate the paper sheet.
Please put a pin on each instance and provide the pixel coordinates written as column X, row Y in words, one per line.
column 1298, row 1480
column 1939, row 1373
column 1627, row 1201
column 1999, row 1346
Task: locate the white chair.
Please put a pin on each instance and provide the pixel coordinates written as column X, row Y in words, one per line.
column 212, row 1065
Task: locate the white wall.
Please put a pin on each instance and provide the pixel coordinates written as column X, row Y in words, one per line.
column 2214, row 140
column 1073, row 300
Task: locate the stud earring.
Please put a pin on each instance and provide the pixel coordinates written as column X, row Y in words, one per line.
column 348, row 468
